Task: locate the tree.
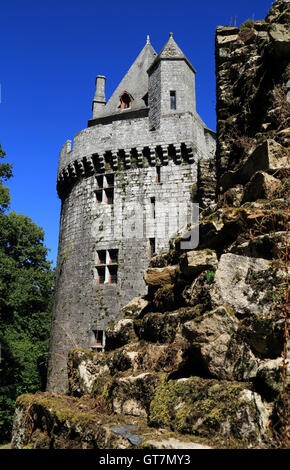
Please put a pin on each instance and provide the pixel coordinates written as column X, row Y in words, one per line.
column 26, row 291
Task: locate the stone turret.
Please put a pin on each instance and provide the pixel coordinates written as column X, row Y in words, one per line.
column 125, row 189
column 171, row 84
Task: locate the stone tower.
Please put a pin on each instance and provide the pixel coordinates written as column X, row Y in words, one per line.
column 125, row 188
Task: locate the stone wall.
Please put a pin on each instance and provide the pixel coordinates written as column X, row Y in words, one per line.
column 252, row 71
column 82, row 305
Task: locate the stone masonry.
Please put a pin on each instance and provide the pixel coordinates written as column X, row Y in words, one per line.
column 126, row 187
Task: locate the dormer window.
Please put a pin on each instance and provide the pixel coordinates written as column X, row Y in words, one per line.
column 126, row 100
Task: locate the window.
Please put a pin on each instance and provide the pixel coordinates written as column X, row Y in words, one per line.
column 158, row 174
column 172, row 100
column 105, row 189
column 151, row 247
column 152, row 207
column 107, row 266
column 102, row 257
column 126, row 101
column 101, row 275
column 113, row 256
column 99, row 341
column 109, row 195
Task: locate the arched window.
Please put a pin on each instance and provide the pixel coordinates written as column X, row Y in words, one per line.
column 126, row 100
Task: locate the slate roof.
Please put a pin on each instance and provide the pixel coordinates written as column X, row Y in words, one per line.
column 171, row 51
column 135, row 82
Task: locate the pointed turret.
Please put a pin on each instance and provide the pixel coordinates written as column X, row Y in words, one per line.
column 171, row 84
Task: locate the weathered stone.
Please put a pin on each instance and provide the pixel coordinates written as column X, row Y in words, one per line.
column 165, row 299
column 161, row 276
column 136, row 307
column 84, row 368
column 269, row 378
column 132, row 395
column 192, row 263
column 269, row 156
column 121, row 333
column 217, row 346
column 239, row 282
column 222, row 40
column 260, row 186
column 198, row 292
column 163, row 327
column 263, row 246
column 209, row 407
column 280, row 36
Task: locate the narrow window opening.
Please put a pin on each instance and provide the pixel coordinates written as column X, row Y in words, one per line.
column 172, row 100
column 113, row 256
column 158, row 174
column 99, row 342
column 101, row 275
column 101, row 256
column 99, row 196
column 113, row 274
column 152, row 208
column 151, row 247
column 109, row 192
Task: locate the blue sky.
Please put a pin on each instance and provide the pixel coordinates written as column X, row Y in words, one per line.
column 50, row 54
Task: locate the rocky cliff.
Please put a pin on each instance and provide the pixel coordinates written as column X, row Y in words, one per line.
column 201, row 360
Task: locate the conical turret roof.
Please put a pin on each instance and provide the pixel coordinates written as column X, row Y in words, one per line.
column 172, row 51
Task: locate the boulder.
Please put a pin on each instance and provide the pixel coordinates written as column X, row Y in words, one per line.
column 158, row 277
column 208, row 407
column 192, row 263
column 267, row 246
column 120, row 334
column 165, row 299
column 84, row 368
column 268, row 156
column 260, row 186
column 269, row 380
column 198, row 292
column 136, row 307
column 132, row 395
column 216, row 345
column 241, row 283
column 280, row 36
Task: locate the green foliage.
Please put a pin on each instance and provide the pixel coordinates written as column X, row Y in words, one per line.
column 248, row 24
column 209, row 276
column 26, row 291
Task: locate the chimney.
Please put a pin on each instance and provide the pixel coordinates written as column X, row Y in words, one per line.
column 99, row 100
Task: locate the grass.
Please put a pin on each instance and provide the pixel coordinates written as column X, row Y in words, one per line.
column 5, row 446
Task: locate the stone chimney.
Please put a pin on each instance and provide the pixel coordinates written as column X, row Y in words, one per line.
column 99, row 100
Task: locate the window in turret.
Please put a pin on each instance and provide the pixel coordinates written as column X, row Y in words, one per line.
column 107, row 266
column 172, row 100
column 99, row 341
column 152, row 207
column 126, row 100
column 152, row 247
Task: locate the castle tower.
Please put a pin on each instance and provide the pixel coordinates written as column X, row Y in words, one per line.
column 125, row 188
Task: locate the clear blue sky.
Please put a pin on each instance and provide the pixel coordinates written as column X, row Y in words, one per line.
column 51, row 52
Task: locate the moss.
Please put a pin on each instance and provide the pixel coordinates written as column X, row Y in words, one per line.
column 202, row 407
